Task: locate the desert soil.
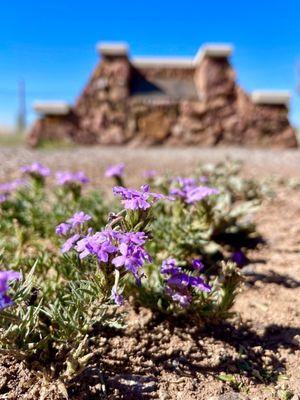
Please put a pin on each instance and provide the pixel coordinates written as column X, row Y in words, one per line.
column 255, row 355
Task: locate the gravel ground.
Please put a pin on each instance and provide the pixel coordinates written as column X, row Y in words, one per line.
column 95, row 159
column 258, row 351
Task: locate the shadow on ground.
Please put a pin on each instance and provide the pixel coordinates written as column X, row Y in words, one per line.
column 271, row 277
column 129, row 375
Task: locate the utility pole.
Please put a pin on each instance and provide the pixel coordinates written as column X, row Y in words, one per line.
column 298, row 76
column 21, row 119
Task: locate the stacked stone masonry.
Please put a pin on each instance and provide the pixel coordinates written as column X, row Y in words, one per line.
column 175, row 102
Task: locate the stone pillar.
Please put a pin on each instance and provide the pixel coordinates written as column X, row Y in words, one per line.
column 56, row 122
column 214, row 75
column 115, row 69
column 102, row 105
column 269, row 119
column 213, row 120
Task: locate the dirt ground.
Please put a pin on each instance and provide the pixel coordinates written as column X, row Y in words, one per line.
column 256, row 355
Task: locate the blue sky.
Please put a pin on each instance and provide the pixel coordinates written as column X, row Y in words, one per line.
column 51, row 44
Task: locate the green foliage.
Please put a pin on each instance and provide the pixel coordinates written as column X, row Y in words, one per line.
column 63, row 301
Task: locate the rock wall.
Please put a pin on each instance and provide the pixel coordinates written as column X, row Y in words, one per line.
column 53, row 128
column 107, row 113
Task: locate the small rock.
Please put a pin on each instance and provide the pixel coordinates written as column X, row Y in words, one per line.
column 295, row 397
column 163, row 395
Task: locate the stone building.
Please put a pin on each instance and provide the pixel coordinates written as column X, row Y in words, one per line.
column 171, row 101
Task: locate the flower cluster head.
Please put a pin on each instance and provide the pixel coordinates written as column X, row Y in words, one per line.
column 150, row 174
column 137, row 199
column 132, row 254
column 122, row 251
column 115, row 171
column 74, row 226
column 66, row 178
column 179, row 284
column 7, row 188
column 189, row 190
column 79, row 218
column 36, row 170
column 5, row 278
column 199, row 193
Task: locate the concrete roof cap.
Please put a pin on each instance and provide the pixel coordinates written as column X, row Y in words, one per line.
column 271, row 97
column 52, row 107
column 214, row 50
column 113, row 48
column 163, row 62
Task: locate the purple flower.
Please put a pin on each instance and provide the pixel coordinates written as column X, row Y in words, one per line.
column 189, row 191
column 186, row 182
column 62, row 229
column 199, row 193
column 5, row 278
column 70, row 243
column 79, row 218
column 102, row 250
column 183, row 297
column 197, row 264
column 169, row 266
column 8, row 187
column 115, row 171
column 239, row 258
column 117, row 297
column 99, row 244
column 150, row 174
column 198, row 283
column 179, row 283
column 82, row 247
column 132, row 257
column 66, row 178
column 182, row 186
column 36, row 170
column 121, row 249
column 138, row 238
column 137, row 199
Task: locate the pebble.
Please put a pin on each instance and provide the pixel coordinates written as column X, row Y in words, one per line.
column 163, row 395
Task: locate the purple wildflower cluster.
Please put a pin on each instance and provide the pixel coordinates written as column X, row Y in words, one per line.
column 5, row 278
column 115, row 171
column 189, row 190
column 74, row 226
column 121, row 249
column 7, row 188
column 137, row 199
column 150, row 174
column 36, row 170
column 179, row 284
column 67, row 178
column 124, row 251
